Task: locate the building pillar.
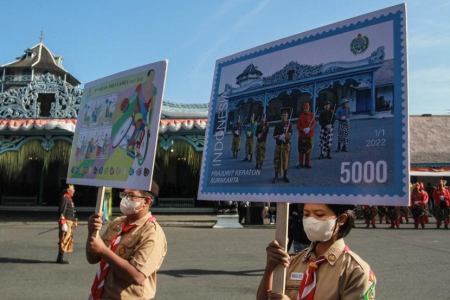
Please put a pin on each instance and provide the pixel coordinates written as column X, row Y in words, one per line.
column 3, row 80
column 228, row 111
column 41, row 186
column 314, row 97
column 373, row 95
column 265, row 104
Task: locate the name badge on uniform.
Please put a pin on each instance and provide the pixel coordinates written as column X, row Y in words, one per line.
column 296, row 276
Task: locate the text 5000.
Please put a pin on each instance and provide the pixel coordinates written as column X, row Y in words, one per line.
column 368, row 172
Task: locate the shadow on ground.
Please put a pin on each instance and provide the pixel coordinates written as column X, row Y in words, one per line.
column 200, row 272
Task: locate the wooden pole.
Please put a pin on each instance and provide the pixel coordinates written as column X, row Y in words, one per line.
column 279, row 274
column 99, row 205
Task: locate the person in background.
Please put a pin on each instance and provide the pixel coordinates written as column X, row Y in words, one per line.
column 328, row 269
column 370, row 214
column 67, row 221
column 282, row 134
column 262, row 131
column 242, row 210
column 419, row 199
column 305, row 125
column 429, row 189
column 442, row 197
column 236, row 142
column 296, row 233
column 343, row 115
column 250, row 130
column 326, row 121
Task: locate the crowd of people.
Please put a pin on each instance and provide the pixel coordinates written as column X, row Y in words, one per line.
column 283, row 132
column 427, row 201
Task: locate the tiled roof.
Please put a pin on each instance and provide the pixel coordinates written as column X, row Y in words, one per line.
column 22, row 62
column 182, row 110
column 385, row 74
column 251, row 69
column 429, row 141
column 44, row 59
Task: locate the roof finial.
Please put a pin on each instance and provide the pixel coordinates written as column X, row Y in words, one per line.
column 42, row 35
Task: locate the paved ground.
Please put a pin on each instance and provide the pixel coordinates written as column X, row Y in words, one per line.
column 205, row 263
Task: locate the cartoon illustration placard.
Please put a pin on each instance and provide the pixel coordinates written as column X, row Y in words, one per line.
column 321, row 116
column 117, row 129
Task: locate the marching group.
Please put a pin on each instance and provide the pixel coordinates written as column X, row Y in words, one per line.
column 283, row 133
column 424, row 202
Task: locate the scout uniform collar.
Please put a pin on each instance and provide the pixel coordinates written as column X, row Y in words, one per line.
column 142, row 220
column 331, row 255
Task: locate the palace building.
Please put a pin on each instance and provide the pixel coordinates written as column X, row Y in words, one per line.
column 39, row 103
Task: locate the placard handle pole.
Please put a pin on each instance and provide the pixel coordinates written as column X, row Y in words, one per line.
column 99, row 205
column 279, row 274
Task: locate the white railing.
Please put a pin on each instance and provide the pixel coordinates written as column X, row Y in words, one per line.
column 15, row 78
column 175, row 202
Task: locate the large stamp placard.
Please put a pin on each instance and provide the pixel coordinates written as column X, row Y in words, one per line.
column 117, row 129
column 361, row 61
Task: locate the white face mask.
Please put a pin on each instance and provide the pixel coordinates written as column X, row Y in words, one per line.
column 319, row 231
column 128, row 207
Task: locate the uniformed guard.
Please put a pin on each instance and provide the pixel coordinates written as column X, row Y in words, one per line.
column 343, row 114
column 66, row 223
column 328, row 269
column 394, row 214
column 236, row 143
column 441, row 197
column 282, row 135
column 250, row 130
column 261, row 133
column 419, row 199
column 370, row 212
column 326, row 121
column 305, row 125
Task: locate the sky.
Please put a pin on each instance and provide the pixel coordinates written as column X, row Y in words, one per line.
column 100, row 38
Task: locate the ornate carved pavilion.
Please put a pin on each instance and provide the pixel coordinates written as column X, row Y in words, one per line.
column 39, row 106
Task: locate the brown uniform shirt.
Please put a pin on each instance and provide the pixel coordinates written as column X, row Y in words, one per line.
column 343, row 276
column 145, row 248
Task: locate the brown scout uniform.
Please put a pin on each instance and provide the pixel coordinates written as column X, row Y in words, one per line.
column 145, row 248
column 343, row 276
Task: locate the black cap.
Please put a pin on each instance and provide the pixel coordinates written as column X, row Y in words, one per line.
column 285, row 110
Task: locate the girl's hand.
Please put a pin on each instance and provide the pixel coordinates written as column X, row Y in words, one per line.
column 276, row 256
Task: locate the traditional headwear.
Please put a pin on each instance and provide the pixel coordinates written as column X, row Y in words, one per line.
column 344, row 101
column 305, row 105
column 263, row 116
column 252, row 116
column 71, row 187
column 239, row 119
column 285, row 110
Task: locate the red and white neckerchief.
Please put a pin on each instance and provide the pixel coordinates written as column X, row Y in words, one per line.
column 100, row 277
column 307, row 287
